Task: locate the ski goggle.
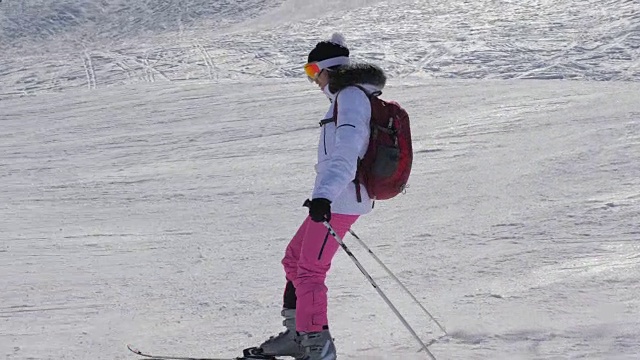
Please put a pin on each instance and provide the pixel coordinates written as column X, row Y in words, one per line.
column 313, row 69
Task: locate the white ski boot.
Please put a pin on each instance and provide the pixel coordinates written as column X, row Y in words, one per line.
column 318, row 346
column 287, row 343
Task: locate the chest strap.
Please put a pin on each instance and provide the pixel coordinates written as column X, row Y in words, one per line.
column 326, row 121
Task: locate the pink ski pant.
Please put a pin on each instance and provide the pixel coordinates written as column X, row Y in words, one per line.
column 306, row 263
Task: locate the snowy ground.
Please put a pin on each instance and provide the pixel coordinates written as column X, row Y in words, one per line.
column 154, row 209
column 51, row 45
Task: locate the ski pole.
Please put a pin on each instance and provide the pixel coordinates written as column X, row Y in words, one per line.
column 397, row 280
column 380, row 292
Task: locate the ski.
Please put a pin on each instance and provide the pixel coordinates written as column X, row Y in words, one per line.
column 249, row 354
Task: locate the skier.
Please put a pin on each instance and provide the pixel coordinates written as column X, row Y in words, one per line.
column 336, row 198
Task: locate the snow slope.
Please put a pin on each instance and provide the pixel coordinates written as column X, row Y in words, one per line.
column 148, row 200
column 53, row 45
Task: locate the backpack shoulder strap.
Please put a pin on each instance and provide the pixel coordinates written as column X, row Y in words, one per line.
column 369, row 95
column 334, row 119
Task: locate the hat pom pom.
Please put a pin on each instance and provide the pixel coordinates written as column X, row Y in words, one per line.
column 338, row 38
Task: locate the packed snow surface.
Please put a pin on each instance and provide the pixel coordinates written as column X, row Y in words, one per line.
column 154, row 156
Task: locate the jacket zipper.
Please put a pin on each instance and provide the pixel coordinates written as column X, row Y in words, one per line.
column 324, row 138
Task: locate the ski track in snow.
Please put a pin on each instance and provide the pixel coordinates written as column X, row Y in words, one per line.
column 592, row 40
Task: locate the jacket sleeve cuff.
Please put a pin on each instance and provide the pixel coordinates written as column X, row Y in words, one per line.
column 322, row 194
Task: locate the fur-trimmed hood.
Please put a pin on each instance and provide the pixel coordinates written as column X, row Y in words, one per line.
column 354, row 74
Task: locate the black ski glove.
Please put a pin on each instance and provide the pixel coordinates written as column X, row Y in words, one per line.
column 319, row 209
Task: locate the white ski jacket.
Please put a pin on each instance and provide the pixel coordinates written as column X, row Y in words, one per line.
column 341, row 144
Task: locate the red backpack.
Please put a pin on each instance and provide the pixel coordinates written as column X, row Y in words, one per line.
column 385, row 168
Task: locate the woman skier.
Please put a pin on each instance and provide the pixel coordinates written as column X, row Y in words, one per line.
column 335, row 198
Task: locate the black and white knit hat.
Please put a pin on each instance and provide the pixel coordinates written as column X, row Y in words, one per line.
column 330, row 53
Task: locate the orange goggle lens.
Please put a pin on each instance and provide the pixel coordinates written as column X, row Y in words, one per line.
column 312, row 70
